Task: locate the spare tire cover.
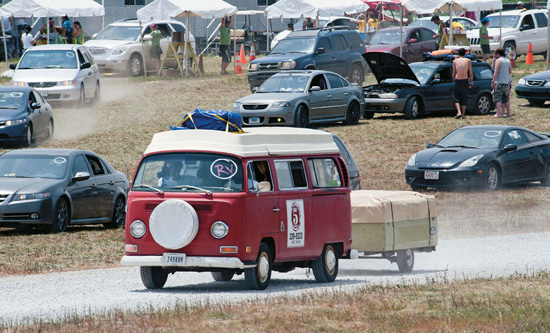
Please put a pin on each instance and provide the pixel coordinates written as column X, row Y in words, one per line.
column 174, row 224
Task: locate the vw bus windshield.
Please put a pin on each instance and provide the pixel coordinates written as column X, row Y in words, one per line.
column 191, row 172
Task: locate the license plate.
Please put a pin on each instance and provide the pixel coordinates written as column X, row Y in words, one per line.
column 173, row 259
column 254, row 120
column 431, row 174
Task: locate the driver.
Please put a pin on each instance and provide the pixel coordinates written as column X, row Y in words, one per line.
column 171, row 176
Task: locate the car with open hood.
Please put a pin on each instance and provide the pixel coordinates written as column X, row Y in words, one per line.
column 421, row 87
column 481, row 156
column 535, row 88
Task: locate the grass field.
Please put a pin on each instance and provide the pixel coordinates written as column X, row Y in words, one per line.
column 132, row 110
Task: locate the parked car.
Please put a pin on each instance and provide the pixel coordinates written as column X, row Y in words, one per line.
column 24, row 116
column 534, row 87
column 416, row 41
column 300, row 98
column 353, row 169
column 55, row 188
column 337, row 50
column 426, row 22
column 486, row 155
column 421, row 87
column 119, row 47
column 60, row 72
column 519, row 28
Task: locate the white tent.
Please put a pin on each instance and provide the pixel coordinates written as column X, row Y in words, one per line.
column 314, row 8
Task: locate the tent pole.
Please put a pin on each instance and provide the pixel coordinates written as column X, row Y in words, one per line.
column 185, row 56
column 366, row 19
column 5, row 45
column 268, row 45
column 48, row 30
column 103, row 16
column 143, row 48
column 401, row 33
column 548, row 41
column 451, row 24
column 500, row 27
column 235, row 42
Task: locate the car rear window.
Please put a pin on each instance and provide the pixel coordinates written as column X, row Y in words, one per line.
column 482, row 73
column 340, row 43
column 356, row 41
column 334, row 81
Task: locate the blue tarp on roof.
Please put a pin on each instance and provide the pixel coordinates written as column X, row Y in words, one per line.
column 219, row 120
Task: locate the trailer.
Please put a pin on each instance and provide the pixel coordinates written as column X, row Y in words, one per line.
column 393, row 225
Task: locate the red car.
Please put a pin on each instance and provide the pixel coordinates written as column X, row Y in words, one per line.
column 416, row 41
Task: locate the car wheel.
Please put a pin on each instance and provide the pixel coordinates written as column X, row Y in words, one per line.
column 223, row 276
column 417, row 188
column 356, row 75
column 50, row 129
column 412, row 108
column 82, row 98
column 325, row 268
column 405, row 260
column 62, row 216
column 153, row 277
column 492, row 177
column 257, row 278
column 509, row 47
column 27, row 137
column 368, row 115
column 353, row 113
column 119, row 214
column 536, row 102
column 301, row 117
column 483, row 104
column 135, row 66
column 97, row 94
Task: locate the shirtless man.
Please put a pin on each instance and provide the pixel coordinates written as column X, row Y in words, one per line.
column 462, row 70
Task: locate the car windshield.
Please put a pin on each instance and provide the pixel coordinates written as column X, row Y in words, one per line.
column 48, row 59
column 118, row 32
column 33, row 166
column 294, row 45
column 508, row 21
column 12, row 99
column 472, row 138
column 424, row 23
column 386, row 37
column 423, row 73
column 284, row 84
column 194, row 172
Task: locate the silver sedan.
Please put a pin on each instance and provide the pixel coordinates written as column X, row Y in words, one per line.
column 300, row 98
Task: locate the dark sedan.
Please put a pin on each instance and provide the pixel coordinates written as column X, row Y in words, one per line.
column 24, row 116
column 416, row 41
column 488, row 155
column 534, row 87
column 421, row 87
column 55, row 188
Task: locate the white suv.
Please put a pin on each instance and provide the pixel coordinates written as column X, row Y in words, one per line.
column 519, row 28
column 119, row 48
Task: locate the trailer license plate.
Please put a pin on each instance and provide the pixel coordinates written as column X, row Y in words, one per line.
column 431, row 175
column 254, row 120
column 173, row 259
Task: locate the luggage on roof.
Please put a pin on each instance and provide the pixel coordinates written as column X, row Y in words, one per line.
column 219, row 120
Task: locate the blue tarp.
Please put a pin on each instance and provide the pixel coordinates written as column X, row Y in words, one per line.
column 219, row 120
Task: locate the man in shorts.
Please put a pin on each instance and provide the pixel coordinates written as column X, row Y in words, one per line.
column 501, row 84
column 225, row 44
column 484, row 39
column 462, row 70
column 156, row 51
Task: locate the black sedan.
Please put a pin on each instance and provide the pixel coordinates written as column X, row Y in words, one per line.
column 55, row 188
column 488, row 155
column 24, row 116
column 535, row 88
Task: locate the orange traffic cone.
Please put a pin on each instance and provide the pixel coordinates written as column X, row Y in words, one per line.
column 238, row 68
column 252, row 53
column 529, row 60
column 243, row 56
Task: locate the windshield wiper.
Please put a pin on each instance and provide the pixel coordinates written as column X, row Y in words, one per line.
column 148, row 186
column 8, row 107
column 462, row 146
column 191, row 187
column 24, row 68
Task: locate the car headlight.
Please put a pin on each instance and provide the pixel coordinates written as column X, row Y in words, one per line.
column 119, row 50
column 388, row 96
column 219, row 229
column 69, row 83
column 471, row 161
column 30, row 196
column 253, row 67
column 521, row 82
column 137, row 229
column 15, row 122
column 18, row 84
column 237, row 105
column 288, row 64
column 547, row 84
column 281, row 104
column 412, row 161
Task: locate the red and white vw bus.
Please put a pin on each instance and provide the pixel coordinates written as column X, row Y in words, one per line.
column 267, row 199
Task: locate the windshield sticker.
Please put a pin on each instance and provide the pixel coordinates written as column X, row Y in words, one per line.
column 492, row 134
column 60, row 160
column 223, row 168
column 310, row 41
column 70, row 54
column 302, row 79
column 16, row 94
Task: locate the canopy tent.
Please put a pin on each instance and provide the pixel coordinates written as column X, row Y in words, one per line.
column 167, row 9
column 314, row 8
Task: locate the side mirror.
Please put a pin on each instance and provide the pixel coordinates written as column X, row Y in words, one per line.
column 430, row 145
column 147, row 38
column 255, row 89
column 436, row 81
column 509, row 147
column 80, row 176
column 525, row 27
column 413, row 40
column 85, row 65
column 13, row 66
column 320, row 50
column 35, row 106
column 94, row 36
column 315, row 88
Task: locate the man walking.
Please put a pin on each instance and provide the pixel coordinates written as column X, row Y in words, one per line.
column 225, row 44
column 501, row 84
column 462, row 70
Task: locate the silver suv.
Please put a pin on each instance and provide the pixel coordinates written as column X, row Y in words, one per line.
column 119, row 47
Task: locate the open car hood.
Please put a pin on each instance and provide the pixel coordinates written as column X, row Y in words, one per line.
column 389, row 66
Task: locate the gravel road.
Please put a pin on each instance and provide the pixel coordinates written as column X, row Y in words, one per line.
column 60, row 295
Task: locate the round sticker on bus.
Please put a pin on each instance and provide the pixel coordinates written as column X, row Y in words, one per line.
column 223, row 168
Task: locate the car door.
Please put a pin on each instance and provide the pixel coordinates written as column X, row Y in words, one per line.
column 340, row 53
column 39, row 117
column 324, row 59
column 320, row 101
column 81, row 192
column 539, row 45
column 528, row 33
column 166, row 33
column 439, row 90
column 86, row 74
column 338, row 96
column 412, row 46
column 103, row 185
column 522, row 162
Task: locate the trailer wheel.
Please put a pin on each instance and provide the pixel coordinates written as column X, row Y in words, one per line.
column 325, row 268
column 405, row 260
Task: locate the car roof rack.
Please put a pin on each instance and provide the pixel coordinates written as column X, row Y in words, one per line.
column 336, row 27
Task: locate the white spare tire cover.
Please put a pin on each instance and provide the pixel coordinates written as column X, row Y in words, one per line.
column 174, row 224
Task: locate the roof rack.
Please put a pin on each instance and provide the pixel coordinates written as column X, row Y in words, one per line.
column 336, row 27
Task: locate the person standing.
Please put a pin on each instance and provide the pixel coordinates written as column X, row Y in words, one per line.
column 440, row 29
column 308, row 24
column 282, row 35
column 484, row 39
column 78, row 34
column 501, row 84
column 225, row 44
column 20, row 25
column 462, row 70
column 372, row 23
column 156, row 51
column 28, row 39
column 67, row 29
column 7, row 28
